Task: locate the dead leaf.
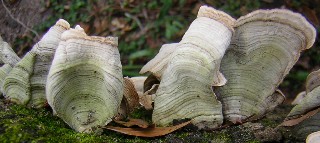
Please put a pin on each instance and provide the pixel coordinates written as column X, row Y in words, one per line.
column 130, row 99
column 138, row 83
column 147, row 132
column 147, row 98
column 292, row 122
column 134, row 122
column 146, row 101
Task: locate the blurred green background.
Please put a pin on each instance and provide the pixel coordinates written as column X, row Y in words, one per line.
column 143, row 26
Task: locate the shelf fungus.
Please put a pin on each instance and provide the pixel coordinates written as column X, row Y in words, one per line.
column 8, row 59
column 265, row 46
column 7, row 55
column 303, row 126
column 305, row 115
column 309, row 105
column 313, row 137
column 188, row 69
column 85, row 84
column 25, row 84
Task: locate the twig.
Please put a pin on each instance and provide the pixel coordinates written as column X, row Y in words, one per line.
column 17, row 20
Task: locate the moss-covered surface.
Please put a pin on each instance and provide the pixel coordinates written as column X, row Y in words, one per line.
column 20, row 124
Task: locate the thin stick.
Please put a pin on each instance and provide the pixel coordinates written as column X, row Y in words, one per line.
column 17, row 20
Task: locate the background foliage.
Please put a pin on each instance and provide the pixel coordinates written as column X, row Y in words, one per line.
column 143, row 26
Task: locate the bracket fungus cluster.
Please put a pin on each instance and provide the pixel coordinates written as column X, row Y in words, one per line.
column 85, row 84
column 191, row 69
column 25, row 84
column 223, row 70
column 311, row 99
column 263, row 48
column 8, row 59
column 305, row 115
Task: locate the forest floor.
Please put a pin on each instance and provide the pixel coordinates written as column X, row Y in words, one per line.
column 20, row 124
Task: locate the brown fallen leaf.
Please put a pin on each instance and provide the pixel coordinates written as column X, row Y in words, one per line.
column 147, row 132
column 130, row 100
column 295, row 121
column 131, row 97
column 146, row 101
column 134, row 122
column 138, row 83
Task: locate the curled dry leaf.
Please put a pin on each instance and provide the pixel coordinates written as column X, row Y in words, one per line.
column 138, row 83
column 147, row 132
column 85, row 84
column 130, row 99
column 146, row 101
column 147, row 98
column 30, row 87
column 307, row 126
column 296, row 121
column 134, row 122
column 265, row 46
column 188, row 69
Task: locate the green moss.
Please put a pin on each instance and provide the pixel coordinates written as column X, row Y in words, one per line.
column 142, row 113
column 269, row 123
column 221, row 137
column 20, row 124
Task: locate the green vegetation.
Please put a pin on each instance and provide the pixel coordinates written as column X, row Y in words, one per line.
column 20, row 124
